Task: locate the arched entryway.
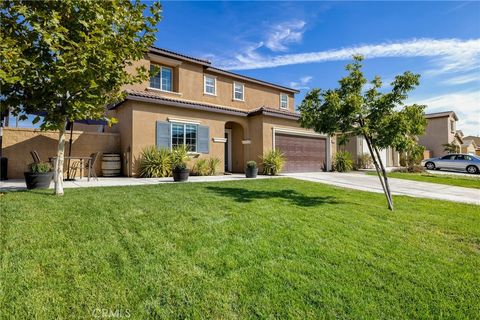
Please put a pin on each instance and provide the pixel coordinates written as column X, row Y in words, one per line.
column 234, row 149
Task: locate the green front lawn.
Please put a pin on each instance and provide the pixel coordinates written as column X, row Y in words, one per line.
column 278, row 248
column 452, row 180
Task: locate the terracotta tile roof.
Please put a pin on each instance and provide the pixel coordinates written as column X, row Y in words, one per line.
column 274, row 112
column 161, row 99
column 178, row 55
column 474, row 138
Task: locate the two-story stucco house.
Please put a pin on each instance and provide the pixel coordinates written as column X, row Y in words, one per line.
column 441, row 129
column 216, row 113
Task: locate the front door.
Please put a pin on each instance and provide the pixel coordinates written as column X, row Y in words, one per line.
column 228, row 150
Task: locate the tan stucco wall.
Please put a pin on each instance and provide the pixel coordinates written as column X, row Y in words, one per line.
column 188, row 82
column 257, row 129
column 436, row 134
column 18, row 142
column 145, row 115
column 469, row 149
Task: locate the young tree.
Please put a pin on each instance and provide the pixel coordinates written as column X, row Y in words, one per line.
column 67, row 59
column 380, row 118
column 451, row 147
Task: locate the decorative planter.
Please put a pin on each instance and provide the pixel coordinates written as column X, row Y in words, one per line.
column 251, row 172
column 38, row 180
column 111, row 165
column 181, row 175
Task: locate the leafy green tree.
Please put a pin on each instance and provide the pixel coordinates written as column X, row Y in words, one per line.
column 380, row 117
column 67, row 59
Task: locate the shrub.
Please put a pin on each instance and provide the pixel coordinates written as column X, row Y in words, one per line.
column 42, row 167
column 364, row 161
column 155, row 163
column 343, row 162
column 212, row 166
column 180, row 157
column 251, row 164
column 273, row 162
column 201, row 168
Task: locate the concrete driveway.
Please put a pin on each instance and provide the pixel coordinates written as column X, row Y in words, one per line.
column 361, row 181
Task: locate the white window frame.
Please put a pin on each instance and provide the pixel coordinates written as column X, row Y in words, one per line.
column 243, row 90
column 281, row 105
column 161, row 83
column 184, row 124
column 205, row 76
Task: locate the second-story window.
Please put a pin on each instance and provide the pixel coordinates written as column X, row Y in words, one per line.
column 283, row 101
column 162, row 80
column 238, row 93
column 452, row 126
column 210, row 85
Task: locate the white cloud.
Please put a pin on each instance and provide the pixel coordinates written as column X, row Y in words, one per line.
column 456, row 54
column 301, row 84
column 283, row 34
column 463, row 79
column 466, row 105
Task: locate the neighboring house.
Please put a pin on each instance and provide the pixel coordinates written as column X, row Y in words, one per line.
column 441, row 129
column 476, row 142
column 216, row 113
column 357, row 146
column 469, row 146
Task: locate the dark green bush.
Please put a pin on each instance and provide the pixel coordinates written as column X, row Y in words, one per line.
column 251, row 164
column 42, row 167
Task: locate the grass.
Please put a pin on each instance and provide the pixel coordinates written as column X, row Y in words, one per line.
column 452, row 180
column 277, row 248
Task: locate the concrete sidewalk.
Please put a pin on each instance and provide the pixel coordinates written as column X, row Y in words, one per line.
column 361, row 181
column 356, row 180
column 19, row 184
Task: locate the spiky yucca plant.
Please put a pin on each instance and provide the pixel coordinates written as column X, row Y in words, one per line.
column 273, row 162
column 155, row 163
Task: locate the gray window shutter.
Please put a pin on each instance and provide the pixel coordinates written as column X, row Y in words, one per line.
column 163, row 139
column 203, row 139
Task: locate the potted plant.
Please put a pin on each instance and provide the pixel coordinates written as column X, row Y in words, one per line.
column 179, row 163
column 39, row 176
column 252, row 170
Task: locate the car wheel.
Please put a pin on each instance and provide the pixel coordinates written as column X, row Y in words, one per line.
column 430, row 165
column 472, row 169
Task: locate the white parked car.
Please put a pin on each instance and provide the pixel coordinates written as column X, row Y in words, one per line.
column 457, row 161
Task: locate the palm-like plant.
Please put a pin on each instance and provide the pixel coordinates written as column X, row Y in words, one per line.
column 180, row 157
column 155, row 163
column 273, row 162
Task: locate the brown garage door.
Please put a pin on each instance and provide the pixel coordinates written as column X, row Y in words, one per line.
column 302, row 153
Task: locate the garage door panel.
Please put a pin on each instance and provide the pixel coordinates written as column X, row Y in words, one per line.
column 302, row 153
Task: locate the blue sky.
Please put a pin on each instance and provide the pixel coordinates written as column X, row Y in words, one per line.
column 306, row 44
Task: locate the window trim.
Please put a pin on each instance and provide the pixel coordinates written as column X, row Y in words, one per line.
column 205, row 76
column 184, row 124
column 286, row 95
column 161, row 83
column 243, row 91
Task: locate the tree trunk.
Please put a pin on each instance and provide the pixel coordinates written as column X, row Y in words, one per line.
column 382, row 181
column 385, row 178
column 58, row 176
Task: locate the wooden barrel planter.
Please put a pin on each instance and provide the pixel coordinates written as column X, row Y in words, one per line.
column 111, row 165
